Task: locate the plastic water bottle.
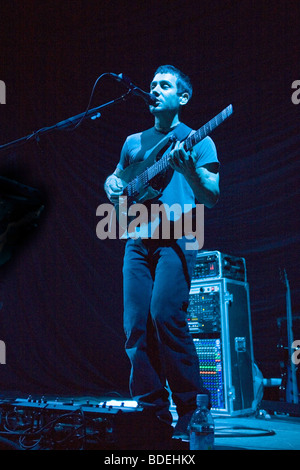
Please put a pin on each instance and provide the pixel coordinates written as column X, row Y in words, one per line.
column 202, row 426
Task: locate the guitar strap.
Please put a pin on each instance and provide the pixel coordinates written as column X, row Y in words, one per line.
column 179, row 133
column 182, row 131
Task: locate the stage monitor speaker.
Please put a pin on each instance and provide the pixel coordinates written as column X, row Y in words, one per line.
column 219, row 321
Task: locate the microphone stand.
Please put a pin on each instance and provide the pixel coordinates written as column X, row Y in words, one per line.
column 62, row 125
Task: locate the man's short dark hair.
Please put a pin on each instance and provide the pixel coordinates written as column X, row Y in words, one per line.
column 184, row 84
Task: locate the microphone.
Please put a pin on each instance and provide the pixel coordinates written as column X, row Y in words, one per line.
column 150, row 98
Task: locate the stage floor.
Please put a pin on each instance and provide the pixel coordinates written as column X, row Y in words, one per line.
column 277, row 431
column 274, row 431
column 249, row 433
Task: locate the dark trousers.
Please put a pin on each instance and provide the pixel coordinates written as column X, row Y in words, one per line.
column 159, row 345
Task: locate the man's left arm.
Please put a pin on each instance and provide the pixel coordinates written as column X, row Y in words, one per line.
column 204, row 180
column 205, row 184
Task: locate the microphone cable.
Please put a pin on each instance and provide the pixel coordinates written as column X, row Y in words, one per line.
column 90, row 101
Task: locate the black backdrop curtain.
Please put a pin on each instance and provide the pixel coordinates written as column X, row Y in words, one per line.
column 61, row 291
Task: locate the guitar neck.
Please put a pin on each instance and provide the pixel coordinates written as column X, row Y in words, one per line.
column 205, row 130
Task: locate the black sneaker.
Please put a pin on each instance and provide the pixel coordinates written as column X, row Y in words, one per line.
column 181, row 430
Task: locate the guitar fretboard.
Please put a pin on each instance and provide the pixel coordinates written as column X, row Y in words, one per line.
column 205, row 130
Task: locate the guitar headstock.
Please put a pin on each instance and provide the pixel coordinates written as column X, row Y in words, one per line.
column 283, row 277
column 227, row 111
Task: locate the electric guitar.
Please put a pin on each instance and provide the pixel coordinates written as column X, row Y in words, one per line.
column 136, row 178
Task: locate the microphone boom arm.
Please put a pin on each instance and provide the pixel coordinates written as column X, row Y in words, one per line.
column 74, row 120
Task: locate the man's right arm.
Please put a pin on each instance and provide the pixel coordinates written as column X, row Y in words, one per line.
column 114, row 185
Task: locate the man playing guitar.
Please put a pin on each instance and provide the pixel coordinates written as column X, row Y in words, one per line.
column 157, row 271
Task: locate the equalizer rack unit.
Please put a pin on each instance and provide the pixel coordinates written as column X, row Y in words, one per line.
column 219, row 320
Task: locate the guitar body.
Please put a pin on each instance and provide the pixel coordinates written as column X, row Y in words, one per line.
column 145, row 193
column 133, row 176
column 134, row 170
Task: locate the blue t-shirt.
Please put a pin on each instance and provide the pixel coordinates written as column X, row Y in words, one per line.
column 176, row 193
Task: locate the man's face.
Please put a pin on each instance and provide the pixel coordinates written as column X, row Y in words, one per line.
column 164, row 87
